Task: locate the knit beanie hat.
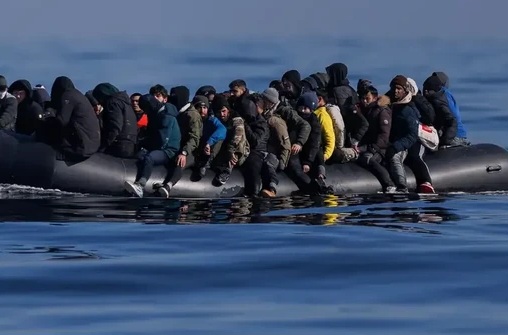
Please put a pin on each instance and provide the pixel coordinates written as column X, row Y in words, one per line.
column 200, row 100
column 412, row 86
column 179, row 96
column 399, row 80
column 271, row 94
column 432, row 83
column 309, row 100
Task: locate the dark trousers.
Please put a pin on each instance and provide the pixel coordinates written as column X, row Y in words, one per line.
column 147, row 163
column 203, row 160
column 124, row 149
column 251, row 170
column 294, row 171
column 416, row 163
column 372, row 162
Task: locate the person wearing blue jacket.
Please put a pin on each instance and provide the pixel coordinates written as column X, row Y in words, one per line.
column 439, row 83
column 404, row 131
column 214, row 133
column 160, row 146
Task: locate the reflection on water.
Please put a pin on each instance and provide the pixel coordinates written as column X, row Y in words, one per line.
column 374, row 210
column 54, row 252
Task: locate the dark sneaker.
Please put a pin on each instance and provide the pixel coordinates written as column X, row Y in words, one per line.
column 223, row 177
column 134, row 189
column 164, row 190
column 402, row 190
column 156, row 186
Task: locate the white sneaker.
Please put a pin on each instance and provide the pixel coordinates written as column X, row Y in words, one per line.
column 134, row 189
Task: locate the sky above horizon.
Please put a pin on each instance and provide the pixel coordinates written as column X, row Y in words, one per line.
column 169, row 21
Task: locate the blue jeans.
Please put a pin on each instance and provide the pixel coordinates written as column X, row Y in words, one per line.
column 396, row 168
column 148, row 161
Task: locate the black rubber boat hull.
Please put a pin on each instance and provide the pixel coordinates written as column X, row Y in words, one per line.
column 478, row 168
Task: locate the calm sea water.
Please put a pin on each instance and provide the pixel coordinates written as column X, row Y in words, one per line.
column 76, row 264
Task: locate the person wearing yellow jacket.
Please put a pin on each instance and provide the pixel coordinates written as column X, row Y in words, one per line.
column 327, row 129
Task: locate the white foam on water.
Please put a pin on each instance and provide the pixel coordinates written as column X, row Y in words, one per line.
column 13, row 191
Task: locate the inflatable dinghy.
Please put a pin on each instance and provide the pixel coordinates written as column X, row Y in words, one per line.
column 478, row 168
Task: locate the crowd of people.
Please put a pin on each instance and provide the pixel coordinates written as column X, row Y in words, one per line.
column 296, row 125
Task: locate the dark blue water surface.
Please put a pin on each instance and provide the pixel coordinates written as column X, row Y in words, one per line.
column 362, row 264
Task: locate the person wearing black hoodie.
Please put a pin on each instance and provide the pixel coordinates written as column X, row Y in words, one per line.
column 256, row 131
column 75, row 128
column 340, row 93
column 40, row 95
column 8, row 107
column 445, row 121
column 30, row 113
column 208, row 91
column 292, row 87
column 119, row 129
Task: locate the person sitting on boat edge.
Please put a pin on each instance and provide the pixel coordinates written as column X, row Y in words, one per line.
column 119, row 133
column 415, row 155
column 74, row 131
column 297, row 127
column 341, row 153
column 235, row 148
column 461, row 136
column 279, row 144
column 8, row 107
column 256, row 132
column 141, row 117
column 40, row 95
column 339, row 90
column 29, row 113
column 214, row 133
column 306, row 168
column 327, row 128
column 373, row 145
column 291, row 88
column 404, row 131
column 160, row 147
column 191, row 125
